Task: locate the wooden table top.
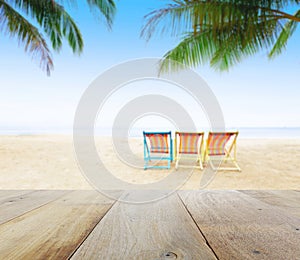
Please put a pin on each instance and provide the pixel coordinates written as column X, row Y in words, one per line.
column 185, row 225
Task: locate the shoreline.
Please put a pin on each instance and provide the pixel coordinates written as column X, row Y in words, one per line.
column 48, row 162
column 140, row 137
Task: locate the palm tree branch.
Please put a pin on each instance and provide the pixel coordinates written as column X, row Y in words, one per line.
column 283, row 15
column 223, row 48
column 17, row 26
column 182, row 15
column 236, row 46
column 286, row 32
column 54, row 20
column 106, row 7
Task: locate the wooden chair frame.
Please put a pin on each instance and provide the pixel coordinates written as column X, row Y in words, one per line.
column 228, row 154
column 186, row 155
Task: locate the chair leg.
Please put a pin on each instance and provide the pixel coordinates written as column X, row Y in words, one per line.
column 237, row 166
column 176, row 164
column 200, row 164
column 233, row 159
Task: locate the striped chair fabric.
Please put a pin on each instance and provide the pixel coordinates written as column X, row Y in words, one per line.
column 217, row 143
column 158, row 143
column 189, row 143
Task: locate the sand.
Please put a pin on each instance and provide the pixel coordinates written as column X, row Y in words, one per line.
column 49, row 162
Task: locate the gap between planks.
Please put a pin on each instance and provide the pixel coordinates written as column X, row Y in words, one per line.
column 18, row 203
column 238, row 226
column 55, row 230
column 202, row 233
column 157, row 230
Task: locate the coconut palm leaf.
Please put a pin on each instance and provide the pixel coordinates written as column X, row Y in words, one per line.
column 223, row 49
column 177, row 18
column 287, row 31
column 52, row 20
column 222, row 32
column 34, row 43
column 106, row 7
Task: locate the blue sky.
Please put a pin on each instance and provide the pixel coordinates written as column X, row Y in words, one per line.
column 255, row 93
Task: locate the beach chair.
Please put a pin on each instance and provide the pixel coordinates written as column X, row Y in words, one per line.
column 158, row 147
column 188, row 146
column 221, row 148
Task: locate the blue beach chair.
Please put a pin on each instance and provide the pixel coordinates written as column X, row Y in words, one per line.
column 158, row 146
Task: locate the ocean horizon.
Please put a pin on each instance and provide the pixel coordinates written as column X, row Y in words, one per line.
column 244, row 132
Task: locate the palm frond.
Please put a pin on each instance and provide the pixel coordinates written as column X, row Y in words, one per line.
column 184, row 15
column 17, row 26
column 106, row 7
column 287, row 31
column 223, row 48
column 221, row 32
column 191, row 51
column 54, row 20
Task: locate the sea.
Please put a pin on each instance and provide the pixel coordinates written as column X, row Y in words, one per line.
column 244, row 132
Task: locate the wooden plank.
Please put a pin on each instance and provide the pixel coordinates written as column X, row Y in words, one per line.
column 157, row 230
column 237, row 226
column 55, row 230
column 17, row 203
column 6, row 194
column 286, row 200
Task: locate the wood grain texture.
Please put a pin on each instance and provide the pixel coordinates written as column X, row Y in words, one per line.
column 7, row 194
column 54, row 230
column 4, row 194
column 286, row 200
column 21, row 202
column 237, row 226
column 158, row 230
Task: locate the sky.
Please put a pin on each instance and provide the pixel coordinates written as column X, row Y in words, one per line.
column 255, row 93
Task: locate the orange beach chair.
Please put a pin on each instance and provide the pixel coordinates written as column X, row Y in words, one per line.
column 188, row 146
column 221, row 148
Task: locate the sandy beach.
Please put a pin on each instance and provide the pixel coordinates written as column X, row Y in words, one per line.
column 49, row 162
